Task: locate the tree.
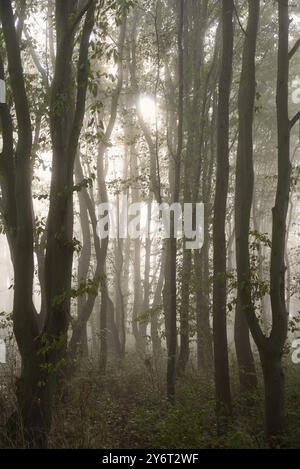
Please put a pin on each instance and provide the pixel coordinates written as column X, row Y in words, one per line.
column 193, row 158
column 243, row 201
column 222, row 382
column 271, row 347
column 42, row 351
column 170, row 288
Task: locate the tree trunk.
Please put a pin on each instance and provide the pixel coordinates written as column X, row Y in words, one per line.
column 36, row 387
column 271, row 348
column 222, row 382
column 274, row 394
column 243, row 202
column 184, row 310
column 170, row 290
column 154, row 330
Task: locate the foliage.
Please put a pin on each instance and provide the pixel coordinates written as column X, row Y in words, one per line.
column 127, row 409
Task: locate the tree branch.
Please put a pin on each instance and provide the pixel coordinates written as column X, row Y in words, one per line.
column 7, row 170
column 294, row 49
column 82, row 77
column 81, row 13
column 21, row 19
column 239, row 21
column 16, row 76
column 36, row 60
column 294, row 120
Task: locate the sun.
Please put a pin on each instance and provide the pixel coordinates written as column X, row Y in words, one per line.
column 148, row 108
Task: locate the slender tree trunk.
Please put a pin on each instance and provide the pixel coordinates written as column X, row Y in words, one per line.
column 83, row 261
column 146, row 299
column 222, row 381
column 107, row 324
column 201, row 261
column 271, row 348
column 243, row 202
column 184, row 310
column 258, row 227
column 32, row 405
column 272, row 366
column 170, row 289
column 154, row 330
column 140, row 340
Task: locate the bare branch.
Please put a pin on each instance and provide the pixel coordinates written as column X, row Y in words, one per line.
column 81, row 13
column 82, row 76
column 239, row 21
column 21, row 18
column 36, row 60
column 294, row 120
column 294, row 49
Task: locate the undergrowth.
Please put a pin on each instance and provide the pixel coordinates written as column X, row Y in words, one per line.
column 127, row 408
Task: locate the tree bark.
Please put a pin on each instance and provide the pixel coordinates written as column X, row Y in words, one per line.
column 170, row 289
column 222, row 381
column 271, row 348
column 243, row 202
column 36, row 386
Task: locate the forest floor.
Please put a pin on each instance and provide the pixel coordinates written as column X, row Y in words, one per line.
column 128, row 409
